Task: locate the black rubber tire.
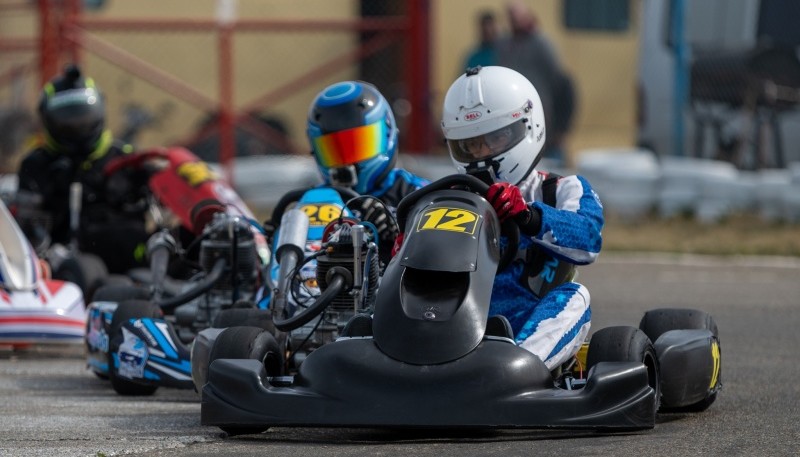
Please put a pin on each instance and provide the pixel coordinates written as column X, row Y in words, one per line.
column 625, row 344
column 120, row 293
column 251, row 317
column 87, row 271
column 126, row 310
column 116, row 280
column 246, row 342
column 656, row 322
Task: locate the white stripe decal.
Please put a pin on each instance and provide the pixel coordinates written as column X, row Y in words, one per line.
column 175, row 374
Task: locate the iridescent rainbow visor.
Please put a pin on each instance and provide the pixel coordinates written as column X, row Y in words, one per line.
column 347, row 147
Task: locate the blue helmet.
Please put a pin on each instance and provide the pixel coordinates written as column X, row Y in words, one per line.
column 353, row 135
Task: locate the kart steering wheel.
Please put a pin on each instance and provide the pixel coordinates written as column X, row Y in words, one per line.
column 509, row 228
column 294, row 196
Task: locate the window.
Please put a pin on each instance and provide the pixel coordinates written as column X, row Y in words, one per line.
column 607, row 15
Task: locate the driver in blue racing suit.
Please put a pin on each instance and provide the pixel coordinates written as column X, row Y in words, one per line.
column 494, row 126
column 353, row 137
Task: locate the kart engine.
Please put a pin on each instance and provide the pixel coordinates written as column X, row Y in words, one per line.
column 341, row 252
column 230, row 238
column 363, row 265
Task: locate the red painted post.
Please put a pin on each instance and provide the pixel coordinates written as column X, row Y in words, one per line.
column 227, row 140
column 72, row 14
column 48, row 42
column 418, row 138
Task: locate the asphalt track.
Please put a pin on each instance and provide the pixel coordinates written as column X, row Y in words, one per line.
column 52, row 406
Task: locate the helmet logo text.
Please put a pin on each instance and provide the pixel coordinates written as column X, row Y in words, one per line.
column 472, row 115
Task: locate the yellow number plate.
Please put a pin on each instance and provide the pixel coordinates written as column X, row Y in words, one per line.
column 321, row 214
column 449, row 219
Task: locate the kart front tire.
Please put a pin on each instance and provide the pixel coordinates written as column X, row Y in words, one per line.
column 127, row 310
column 251, row 317
column 625, row 344
column 656, row 322
column 249, row 343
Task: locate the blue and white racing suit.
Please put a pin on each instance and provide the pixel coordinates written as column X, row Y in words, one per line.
column 548, row 312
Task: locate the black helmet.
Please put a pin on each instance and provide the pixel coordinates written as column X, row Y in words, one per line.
column 72, row 113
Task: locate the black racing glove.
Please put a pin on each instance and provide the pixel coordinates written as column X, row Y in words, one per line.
column 374, row 211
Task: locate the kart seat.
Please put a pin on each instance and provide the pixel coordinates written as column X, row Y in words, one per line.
column 498, row 326
column 359, row 325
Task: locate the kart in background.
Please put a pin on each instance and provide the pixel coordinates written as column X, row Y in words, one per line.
column 430, row 356
column 34, row 308
column 319, row 245
column 205, row 271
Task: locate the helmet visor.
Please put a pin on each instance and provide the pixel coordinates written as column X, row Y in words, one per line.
column 488, row 145
column 348, row 147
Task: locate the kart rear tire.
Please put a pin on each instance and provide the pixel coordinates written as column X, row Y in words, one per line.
column 625, row 344
column 87, row 271
column 656, row 322
column 249, row 343
column 129, row 309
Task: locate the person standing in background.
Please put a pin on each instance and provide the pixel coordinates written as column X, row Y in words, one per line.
column 485, row 53
column 527, row 50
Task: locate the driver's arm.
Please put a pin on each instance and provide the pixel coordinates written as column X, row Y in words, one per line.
column 572, row 230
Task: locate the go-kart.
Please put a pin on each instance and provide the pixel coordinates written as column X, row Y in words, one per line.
column 318, row 245
column 34, row 308
column 139, row 333
column 430, row 356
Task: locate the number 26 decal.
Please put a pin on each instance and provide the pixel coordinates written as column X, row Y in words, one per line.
column 321, row 214
column 449, row 219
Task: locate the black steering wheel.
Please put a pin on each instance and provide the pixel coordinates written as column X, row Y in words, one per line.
column 509, row 228
column 294, row 196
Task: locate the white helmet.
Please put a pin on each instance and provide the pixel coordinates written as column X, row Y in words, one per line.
column 493, row 117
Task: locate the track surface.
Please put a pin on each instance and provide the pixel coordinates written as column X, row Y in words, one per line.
column 52, row 406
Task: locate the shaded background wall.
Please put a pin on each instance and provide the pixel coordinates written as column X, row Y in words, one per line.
column 619, row 52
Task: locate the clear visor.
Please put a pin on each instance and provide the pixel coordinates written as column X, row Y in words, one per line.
column 488, row 145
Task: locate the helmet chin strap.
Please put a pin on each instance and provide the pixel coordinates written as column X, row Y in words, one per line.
column 346, row 176
column 485, row 170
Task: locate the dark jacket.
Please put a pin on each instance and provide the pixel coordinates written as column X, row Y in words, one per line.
column 112, row 218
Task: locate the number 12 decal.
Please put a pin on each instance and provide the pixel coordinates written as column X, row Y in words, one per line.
column 449, row 219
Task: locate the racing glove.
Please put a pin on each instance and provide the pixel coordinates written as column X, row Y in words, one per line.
column 398, row 243
column 506, row 200
column 374, row 211
column 508, row 203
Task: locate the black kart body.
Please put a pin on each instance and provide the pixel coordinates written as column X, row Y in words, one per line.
column 431, row 356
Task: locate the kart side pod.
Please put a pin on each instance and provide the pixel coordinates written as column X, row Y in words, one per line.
column 690, row 366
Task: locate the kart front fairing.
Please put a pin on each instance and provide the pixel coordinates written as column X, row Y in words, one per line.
column 33, row 307
column 151, row 352
column 439, row 284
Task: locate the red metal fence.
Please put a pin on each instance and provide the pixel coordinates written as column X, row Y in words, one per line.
column 397, row 39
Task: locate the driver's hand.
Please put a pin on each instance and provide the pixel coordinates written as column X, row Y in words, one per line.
column 374, row 211
column 506, row 200
column 398, row 243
